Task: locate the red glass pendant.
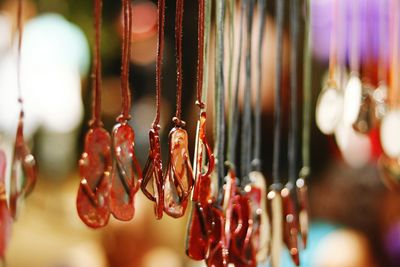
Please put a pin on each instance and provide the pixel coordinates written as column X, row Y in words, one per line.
column 23, row 170
column 199, row 227
column 218, row 251
column 5, row 217
column 178, row 181
column 152, row 184
column 291, row 228
column 95, row 167
column 126, row 173
column 302, row 196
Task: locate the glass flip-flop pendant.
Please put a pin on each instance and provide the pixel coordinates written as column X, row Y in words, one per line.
column 95, row 165
column 153, row 182
column 275, row 200
column 352, row 99
column 302, row 197
column 256, row 192
column 178, row 179
column 366, row 119
column 95, row 168
column 5, row 216
column 23, row 170
column 291, row 228
column 329, row 108
column 126, row 174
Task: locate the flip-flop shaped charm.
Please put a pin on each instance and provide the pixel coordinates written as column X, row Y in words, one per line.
column 199, row 228
column 23, row 170
column 261, row 224
column 275, row 199
column 5, row 217
column 218, row 251
column 93, row 200
column 126, row 175
column 302, row 196
column 291, row 228
column 153, row 176
column 179, row 180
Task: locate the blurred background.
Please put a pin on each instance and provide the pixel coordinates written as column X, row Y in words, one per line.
column 356, row 221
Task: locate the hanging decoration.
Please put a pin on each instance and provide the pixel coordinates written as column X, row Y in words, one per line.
column 274, row 194
column 5, row 216
column 21, row 183
column 178, row 180
column 95, row 165
column 126, row 175
column 152, row 172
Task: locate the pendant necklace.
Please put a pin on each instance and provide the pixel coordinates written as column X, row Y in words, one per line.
column 126, row 174
column 288, row 193
column 301, row 183
column 200, row 225
column 21, row 184
column 257, row 191
column 95, row 165
column 5, row 217
column 329, row 109
column 218, row 251
column 353, row 90
column 152, row 172
column 178, row 181
column 274, row 193
column 390, row 125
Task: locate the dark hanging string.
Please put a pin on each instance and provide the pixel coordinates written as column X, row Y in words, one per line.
column 126, row 54
column 96, row 103
column 200, row 55
column 293, row 130
column 178, row 46
column 234, row 110
column 306, row 94
column 220, row 95
column 278, row 92
column 160, row 51
column 256, row 162
column 19, row 27
column 246, row 135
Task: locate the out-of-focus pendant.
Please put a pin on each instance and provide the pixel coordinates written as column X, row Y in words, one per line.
column 329, row 109
column 23, row 170
column 5, row 217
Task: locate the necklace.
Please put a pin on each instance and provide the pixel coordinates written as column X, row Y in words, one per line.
column 22, row 159
column 95, row 164
column 152, row 172
column 178, row 180
column 126, row 175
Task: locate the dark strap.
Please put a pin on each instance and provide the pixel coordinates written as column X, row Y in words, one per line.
column 220, row 96
column 160, row 53
column 256, row 162
column 96, row 91
column 246, row 133
column 293, row 129
column 200, row 55
column 278, row 92
column 307, row 61
column 179, row 71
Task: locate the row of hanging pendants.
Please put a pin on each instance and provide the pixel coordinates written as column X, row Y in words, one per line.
column 110, row 173
column 348, row 102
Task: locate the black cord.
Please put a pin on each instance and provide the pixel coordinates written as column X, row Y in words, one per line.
column 278, row 91
column 293, row 130
column 220, row 96
column 256, row 162
column 246, row 134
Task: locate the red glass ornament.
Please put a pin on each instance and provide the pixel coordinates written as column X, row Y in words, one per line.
column 21, row 184
column 95, row 167
column 152, row 174
column 291, row 228
column 126, row 173
column 218, row 251
column 302, row 196
column 179, row 180
column 199, row 227
column 5, row 217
